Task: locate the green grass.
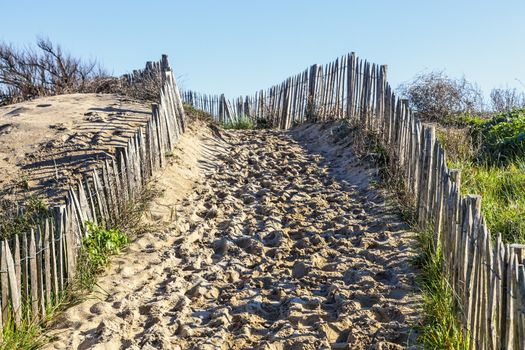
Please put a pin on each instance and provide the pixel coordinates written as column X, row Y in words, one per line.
column 503, row 195
column 490, row 152
column 242, row 122
column 440, row 328
column 27, row 336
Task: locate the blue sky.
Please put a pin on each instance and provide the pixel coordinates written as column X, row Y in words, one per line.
column 237, row 47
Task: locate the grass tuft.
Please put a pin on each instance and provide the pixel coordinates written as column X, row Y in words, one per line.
column 197, row 114
column 440, row 328
column 26, row 336
column 242, row 122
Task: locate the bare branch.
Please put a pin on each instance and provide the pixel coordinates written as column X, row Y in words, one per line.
column 435, row 96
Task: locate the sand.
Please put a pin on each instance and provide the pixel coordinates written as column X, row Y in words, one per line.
column 48, row 143
column 266, row 240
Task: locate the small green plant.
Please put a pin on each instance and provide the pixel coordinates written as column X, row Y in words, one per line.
column 101, row 243
column 242, row 122
column 97, row 247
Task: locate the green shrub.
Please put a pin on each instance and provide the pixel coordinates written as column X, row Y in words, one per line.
column 502, row 138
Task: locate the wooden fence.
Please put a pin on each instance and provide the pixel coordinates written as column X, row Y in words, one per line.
column 344, row 88
column 487, row 275
column 36, row 266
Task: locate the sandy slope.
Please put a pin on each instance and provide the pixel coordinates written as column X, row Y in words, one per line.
column 49, row 142
column 280, row 245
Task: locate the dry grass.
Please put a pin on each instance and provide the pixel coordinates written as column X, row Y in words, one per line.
column 457, row 142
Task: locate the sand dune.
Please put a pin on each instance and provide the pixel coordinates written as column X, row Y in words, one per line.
column 49, row 142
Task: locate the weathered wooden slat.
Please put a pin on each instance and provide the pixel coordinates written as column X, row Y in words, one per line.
column 69, row 242
column 34, row 280
column 60, row 240
column 47, row 262
column 4, row 283
column 18, row 263
column 25, row 261
column 14, row 289
column 54, row 271
column 40, row 271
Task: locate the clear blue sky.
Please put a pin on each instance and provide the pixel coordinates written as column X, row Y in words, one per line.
column 237, row 47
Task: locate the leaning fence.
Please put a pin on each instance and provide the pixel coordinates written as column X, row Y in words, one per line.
column 37, row 266
column 486, row 274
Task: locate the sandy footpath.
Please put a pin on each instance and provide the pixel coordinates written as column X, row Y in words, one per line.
column 266, row 240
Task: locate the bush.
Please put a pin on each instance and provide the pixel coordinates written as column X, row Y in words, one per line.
column 457, row 141
column 47, row 70
column 436, row 97
column 504, row 100
column 197, row 114
column 143, row 85
column 501, row 138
